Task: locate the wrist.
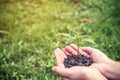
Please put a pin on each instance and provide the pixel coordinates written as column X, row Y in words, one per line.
column 112, row 70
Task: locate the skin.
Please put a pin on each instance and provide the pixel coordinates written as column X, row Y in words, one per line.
column 102, row 66
column 74, row 73
column 109, row 68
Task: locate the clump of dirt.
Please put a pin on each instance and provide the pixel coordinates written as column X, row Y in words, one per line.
column 77, row 60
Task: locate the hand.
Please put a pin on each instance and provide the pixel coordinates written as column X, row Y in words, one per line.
column 102, row 63
column 75, row 73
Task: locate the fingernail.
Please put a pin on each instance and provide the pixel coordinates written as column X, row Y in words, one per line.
column 53, row 69
column 76, row 53
column 55, row 51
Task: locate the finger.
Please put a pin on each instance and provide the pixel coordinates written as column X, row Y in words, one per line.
column 59, row 58
column 88, row 50
column 66, row 52
column 63, row 54
column 71, row 50
column 64, row 72
column 82, row 52
column 78, row 50
column 60, row 54
column 74, row 47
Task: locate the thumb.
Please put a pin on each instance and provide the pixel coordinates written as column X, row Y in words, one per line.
column 61, row 71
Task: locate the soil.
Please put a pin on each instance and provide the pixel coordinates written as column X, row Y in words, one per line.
column 77, row 60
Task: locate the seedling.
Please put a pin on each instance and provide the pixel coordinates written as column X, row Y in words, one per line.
column 75, row 38
column 77, row 60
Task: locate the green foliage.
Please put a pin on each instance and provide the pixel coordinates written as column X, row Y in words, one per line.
column 30, row 30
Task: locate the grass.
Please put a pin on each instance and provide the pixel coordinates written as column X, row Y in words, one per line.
column 31, row 30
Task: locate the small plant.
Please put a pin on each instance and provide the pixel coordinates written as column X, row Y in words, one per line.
column 77, row 60
column 81, row 40
column 75, row 38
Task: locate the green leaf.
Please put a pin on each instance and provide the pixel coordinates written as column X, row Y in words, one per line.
column 88, row 40
column 70, row 40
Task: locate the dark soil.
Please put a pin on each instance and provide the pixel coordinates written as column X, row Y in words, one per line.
column 77, row 60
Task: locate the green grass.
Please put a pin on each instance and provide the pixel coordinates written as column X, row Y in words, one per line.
column 31, row 30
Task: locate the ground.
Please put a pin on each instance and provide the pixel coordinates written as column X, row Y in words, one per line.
column 30, row 30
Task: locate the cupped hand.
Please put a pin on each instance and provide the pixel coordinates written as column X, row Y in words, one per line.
column 101, row 61
column 96, row 55
column 74, row 73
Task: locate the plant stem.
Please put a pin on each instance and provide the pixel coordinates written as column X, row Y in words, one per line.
column 78, row 45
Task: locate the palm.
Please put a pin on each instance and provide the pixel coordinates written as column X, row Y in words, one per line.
column 80, row 70
column 60, row 55
column 99, row 58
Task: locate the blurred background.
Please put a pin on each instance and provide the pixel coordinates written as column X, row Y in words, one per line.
column 30, row 30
